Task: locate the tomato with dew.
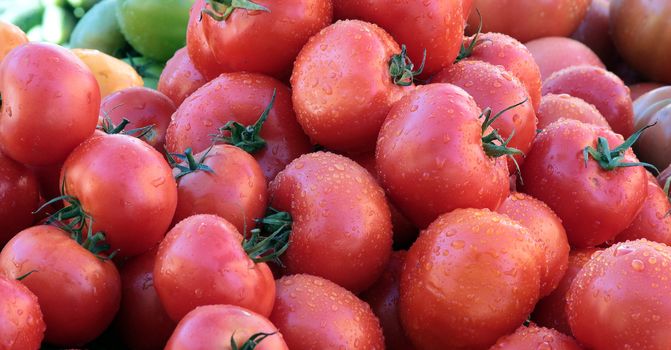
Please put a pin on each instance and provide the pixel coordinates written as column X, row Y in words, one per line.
column 653, row 222
column 534, row 337
column 554, row 107
column 180, row 78
column 21, row 322
column 573, row 53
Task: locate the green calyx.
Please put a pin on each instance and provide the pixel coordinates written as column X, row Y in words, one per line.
column 612, row 159
column 271, row 239
column 186, row 163
column 467, row 51
column 401, row 68
column 246, row 137
column 22, row 277
column 108, row 127
column 220, row 10
column 493, row 143
column 251, row 343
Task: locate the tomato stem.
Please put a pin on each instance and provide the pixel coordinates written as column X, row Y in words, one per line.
column 251, row 343
column 108, row 127
column 467, row 51
column 246, row 137
column 222, row 9
column 401, row 68
column 177, row 160
column 22, row 277
column 612, row 159
column 493, row 143
column 269, row 241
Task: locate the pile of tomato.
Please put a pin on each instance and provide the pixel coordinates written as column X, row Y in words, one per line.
column 341, row 174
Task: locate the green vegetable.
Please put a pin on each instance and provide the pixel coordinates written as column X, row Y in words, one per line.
column 25, row 14
column 85, row 4
column 99, row 30
column 149, row 70
column 57, row 24
column 154, row 28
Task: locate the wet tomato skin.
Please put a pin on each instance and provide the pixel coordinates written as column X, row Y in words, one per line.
column 21, row 322
column 534, row 337
column 574, row 53
column 554, row 107
column 180, row 78
column 653, row 221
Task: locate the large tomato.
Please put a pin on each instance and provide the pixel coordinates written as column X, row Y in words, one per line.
column 220, row 326
column 79, row 293
column 260, row 36
column 19, row 197
column 241, row 98
column 619, row 300
column 573, row 53
column 202, row 262
column 330, row 99
column 653, row 222
column 126, row 187
column 471, row 277
column 637, row 28
column 431, row 149
column 554, row 107
column 11, row 36
column 341, row 223
column 434, row 27
column 654, row 107
column 180, row 78
column 534, row 337
column 595, row 197
column 46, row 112
column 529, row 19
column 314, row 313
column 21, row 322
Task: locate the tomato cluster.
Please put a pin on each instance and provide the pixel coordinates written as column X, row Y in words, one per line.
column 338, row 174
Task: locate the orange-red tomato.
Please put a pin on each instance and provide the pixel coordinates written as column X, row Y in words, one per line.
column 111, row 73
column 11, row 36
column 653, row 222
column 180, row 78
column 573, row 53
column 21, row 322
column 554, row 107
column 537, row 338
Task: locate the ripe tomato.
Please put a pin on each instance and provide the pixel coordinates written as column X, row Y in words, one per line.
column 573, row 53
column 471, row 277
column 502, row 50
column 46, row 112
column 654, row 107
column 599, row 87
column 637, row 26
column 20, row 196
column 330, row 99
column 534, row 337
column 142, row 107
column 432, row 27
column 120, row 181
column 142, row 320
column 640, row 89
column 652, row 222
column 619, row 300
column 218, row 326
column 202, row 262
column 383, row 299
column 180, row 78
column 544, row 225
column 232, row 187
column 314, row 313
column 111, row 73
column 242, row 98
column 60, row 264
column 495, row 88
column 21, row 322
column 551, row 311
column 341, row 223
column 431, row 149
column 594, row 29
column 554, row 107
column 526, row 20
column 11, row 36
column 595, row 199
column 246, row 39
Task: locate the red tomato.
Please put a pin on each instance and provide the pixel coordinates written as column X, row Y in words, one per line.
column 594, row 204
column 436, row 27
column 467, row 8
column 330, row 98
column 383, row 299
column 599, row 87
column 216, row 326
column 19, row 197
column 653, row 222
column 593, row 31
column 11, row 36
column 471, row 277
column 242, row 98
column 554, row 107
column 314, row 313
column 142, row 320
column 121, row 181
column 142, row 107
column 341, row 223
column 180, row 78
column 21, row 322
column 526, row 20
column 544, row 224
column 430, row 149
column 261, row 41
column 534, row 337
column 619, row 300
column 46, row 112
column 233, row 188
column 495, row 88
column 502, row 50
column 573, row 53
column 640, row 89
column 197, row 46
column 78, row 292
column 551, row 311
column 202, row 262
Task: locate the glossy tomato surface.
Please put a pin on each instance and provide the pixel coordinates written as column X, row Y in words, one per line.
column 554, row 107
column 19, row 197
column 573, row 53
column 534, row 337
column 21, row 322
column 11, row 36
column 180, row 78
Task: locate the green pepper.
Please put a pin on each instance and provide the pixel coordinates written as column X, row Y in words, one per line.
column 155, row 28
column 99, row 29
